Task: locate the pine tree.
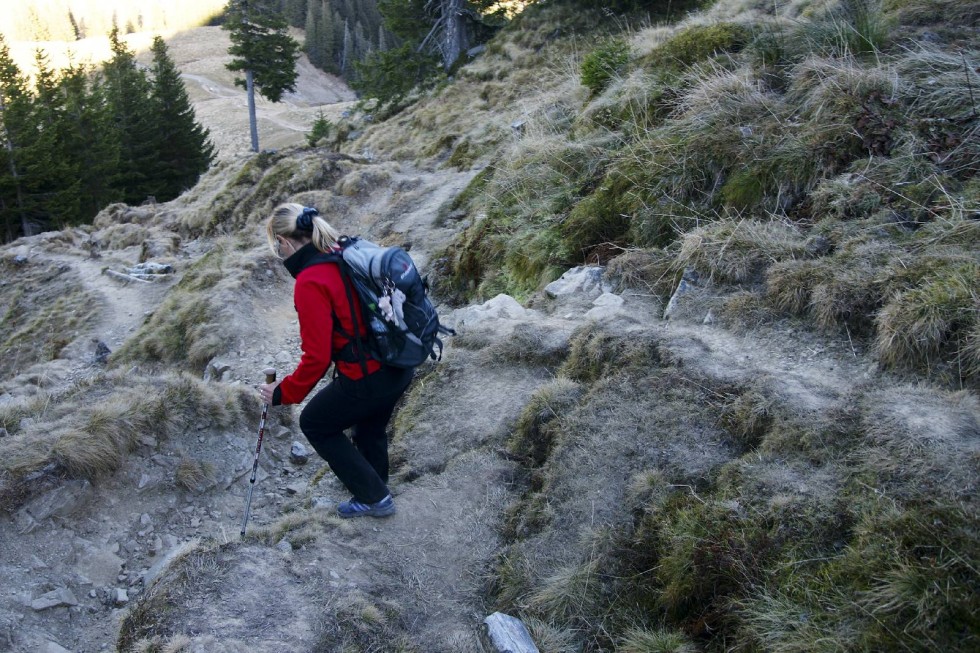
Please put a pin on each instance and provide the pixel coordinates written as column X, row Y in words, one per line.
column 127, row 91
column 328, row 36
column 15, row 127
column 183, row 147
column 314, row 41
column 91, row 143
column 53, row 188
column 263, row 50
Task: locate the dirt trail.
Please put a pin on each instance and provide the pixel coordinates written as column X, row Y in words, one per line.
column 420, row 574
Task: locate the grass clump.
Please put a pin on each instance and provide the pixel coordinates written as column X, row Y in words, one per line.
column 148, row 619
column 697, row 43
column 42, row 311
column 604, row 63
column 193, row 475
column 596, row 354
column 363, row 623
column 298, row 528
column 931, row 322
column 88, row 432
column 641, row 640
column 532, row 437
column 739, row 252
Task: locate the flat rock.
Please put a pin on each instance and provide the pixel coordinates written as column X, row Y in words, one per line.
column 298, row 453
column 508, row 634
column 53, row 599
column 586, row 280
column 99, row 566
column 62, row 501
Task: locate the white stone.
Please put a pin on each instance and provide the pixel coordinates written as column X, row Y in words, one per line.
column 53, row 599
column 500, row 307
column 585, row 280
column 120, row 596
column 508, row 634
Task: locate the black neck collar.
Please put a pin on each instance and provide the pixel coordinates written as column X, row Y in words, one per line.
column 306, row 256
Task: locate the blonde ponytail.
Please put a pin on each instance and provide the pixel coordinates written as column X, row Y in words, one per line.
column 283, row 222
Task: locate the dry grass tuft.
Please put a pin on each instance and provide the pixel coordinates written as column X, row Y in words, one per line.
column 596, row 353
column 146, row 620
column 930, row 323
column 534, row 432
column 298, row 528
column 640, row 640
column 528, row 344
column 193, row 475
column 549, row 638
column 88, row 432
column 653, row 270
column 739, row 252
column 568, row 594
column 748, row 416
column 363, row 623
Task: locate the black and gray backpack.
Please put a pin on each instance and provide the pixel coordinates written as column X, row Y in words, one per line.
column 402, row 324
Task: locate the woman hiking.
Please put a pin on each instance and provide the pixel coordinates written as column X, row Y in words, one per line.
column 363, row 393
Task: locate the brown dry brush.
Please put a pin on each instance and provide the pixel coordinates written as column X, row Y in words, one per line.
column 814, row 531
column 89, row 431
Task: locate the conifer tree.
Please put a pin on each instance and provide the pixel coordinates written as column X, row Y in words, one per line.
column 127, row 91
column 15, row 127
column 92, row 142
column 263, row 50
column 183, row 147
column 53, row 189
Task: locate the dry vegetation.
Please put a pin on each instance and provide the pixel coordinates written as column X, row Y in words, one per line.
column 87, row 431
column 817, row 163
column 814, row 156
column 812, row 161
column 41, row 312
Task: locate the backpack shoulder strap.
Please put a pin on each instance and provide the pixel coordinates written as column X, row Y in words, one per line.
column 356, row 337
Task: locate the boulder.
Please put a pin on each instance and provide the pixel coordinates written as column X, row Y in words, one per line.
column 62, row 501
column 584, row 280
column 494, row 310
column 605, row 306
column 54, row 599
column 298, row 454
column 508, row 634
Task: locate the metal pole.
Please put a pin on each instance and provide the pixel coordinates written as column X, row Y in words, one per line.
column 270, row 377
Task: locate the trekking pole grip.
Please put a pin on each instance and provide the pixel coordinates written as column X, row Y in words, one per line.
column 270, row 374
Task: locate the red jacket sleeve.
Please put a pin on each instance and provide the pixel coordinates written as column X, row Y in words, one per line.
column 315, row 309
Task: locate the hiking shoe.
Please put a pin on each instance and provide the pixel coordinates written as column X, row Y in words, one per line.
column 355, row 508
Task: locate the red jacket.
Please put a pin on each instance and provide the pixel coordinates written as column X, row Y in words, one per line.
column 320, row 298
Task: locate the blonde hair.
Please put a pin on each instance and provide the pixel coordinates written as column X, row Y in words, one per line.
column 282, row 222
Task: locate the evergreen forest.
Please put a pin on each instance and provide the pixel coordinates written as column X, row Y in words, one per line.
column 78, row 139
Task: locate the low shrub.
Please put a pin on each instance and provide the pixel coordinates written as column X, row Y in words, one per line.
column 697, row 43
column 603, row 63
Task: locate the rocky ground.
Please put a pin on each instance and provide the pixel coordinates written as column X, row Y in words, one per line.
column 80, row 558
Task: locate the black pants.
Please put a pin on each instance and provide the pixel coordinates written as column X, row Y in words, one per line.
column 361, row 463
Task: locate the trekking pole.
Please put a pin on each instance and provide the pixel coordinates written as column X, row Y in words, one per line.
column 270, row 377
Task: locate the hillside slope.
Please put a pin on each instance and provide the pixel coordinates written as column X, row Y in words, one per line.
column 641, row 456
